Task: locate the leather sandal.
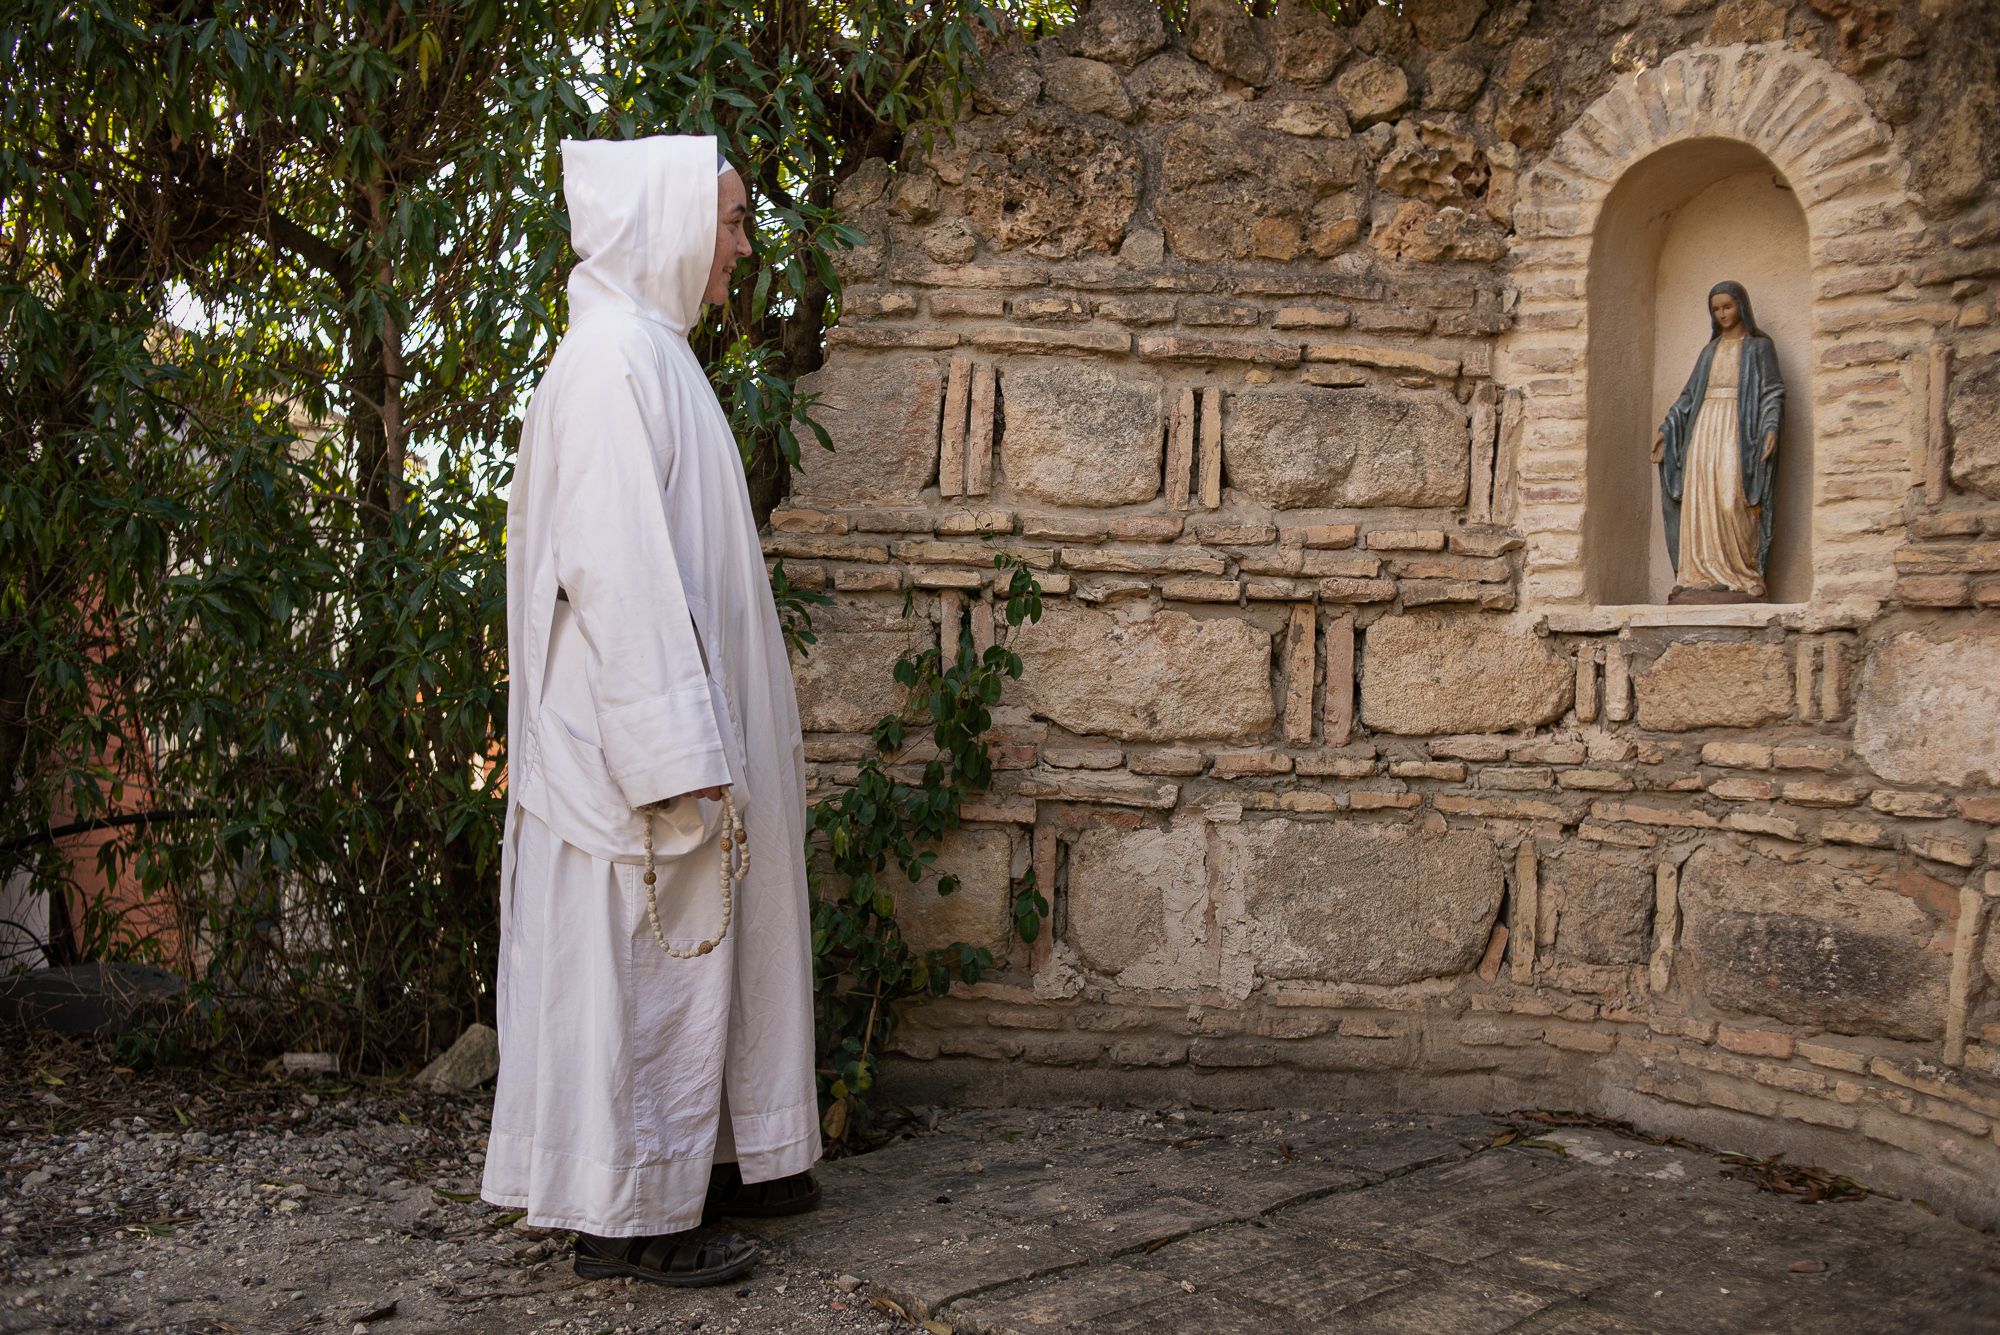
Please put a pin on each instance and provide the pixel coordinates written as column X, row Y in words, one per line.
column 688, row 1259
column 729, row 1195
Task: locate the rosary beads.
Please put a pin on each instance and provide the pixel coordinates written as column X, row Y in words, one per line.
column 735, row 866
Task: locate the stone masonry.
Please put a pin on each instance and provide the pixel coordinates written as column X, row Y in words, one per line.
column 1262, row 343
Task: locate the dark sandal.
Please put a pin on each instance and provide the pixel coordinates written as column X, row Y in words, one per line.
column 729, row 1195
column 687, row 1259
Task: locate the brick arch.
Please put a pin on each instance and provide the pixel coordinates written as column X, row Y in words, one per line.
column 1813, row 125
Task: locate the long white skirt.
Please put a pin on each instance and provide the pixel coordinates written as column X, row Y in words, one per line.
column 610, row 1107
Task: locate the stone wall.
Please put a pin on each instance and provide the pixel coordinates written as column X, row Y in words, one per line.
column 1266, row 346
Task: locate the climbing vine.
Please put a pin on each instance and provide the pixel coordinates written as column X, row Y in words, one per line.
column 887, row 825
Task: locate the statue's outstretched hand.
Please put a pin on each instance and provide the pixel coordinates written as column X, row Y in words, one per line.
column 1659, row 447
column 1770, row 444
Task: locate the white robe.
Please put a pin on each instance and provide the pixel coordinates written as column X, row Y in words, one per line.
column 624, row 1074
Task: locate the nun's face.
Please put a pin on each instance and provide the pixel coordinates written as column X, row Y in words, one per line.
column 732, row 239
column 1728, row 315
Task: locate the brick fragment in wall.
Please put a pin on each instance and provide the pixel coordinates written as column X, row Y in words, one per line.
column 1181, row 348
column 1341, row 590
column 1642, row 813
column 1522, row 931
column 969, row 305
column 1333, row 376
column 1310, row 317
column 1066, row 528
column 1109, row 588
column 1501, row 808
column 879, row 519
column 1338, row 565
column 976, row 523
column 1201, row 590
column 1406, row 539
column 1548, row 751
column 1248, row 764
column 816, row 547
column 951, row 442
column 1442, row 771
column 1135, row 310
column 979, row 434
column 1169, row 761
column 1586, row 683
column 1818, row 793
column 870, row 337
column 1320, row 537
column 1048, row 308
column 1666, row 925
column 1101, row 342
column 1232, row 533
column 789, row 520
column 1180, row 461
column 1111, row 789
column 1485, row 443
column 1175, row 559
column 1617, row 685
column 867, row 579
column 1209, row 312
column 1915, row 806
column 1301, row 664
column 1208, row 457
column 931, row 552
column 1383, row 358
column 877, row 305
column 1594, row 781
column 1301, row 447
column 1273, row 590
column 951, row 623
column 1434, row 592
column 1517, row 778
column 1972, row 912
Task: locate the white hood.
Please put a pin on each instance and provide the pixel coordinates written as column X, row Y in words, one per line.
column 642, row 223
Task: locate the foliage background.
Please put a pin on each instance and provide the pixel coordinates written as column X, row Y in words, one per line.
column 277, row 281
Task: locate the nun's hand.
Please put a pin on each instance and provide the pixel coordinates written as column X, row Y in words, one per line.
column 1659, row 447
column 1770, row 444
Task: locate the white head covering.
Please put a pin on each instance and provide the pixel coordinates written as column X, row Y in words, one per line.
column 642, row 223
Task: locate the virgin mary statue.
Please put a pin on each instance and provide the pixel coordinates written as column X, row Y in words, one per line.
column 1718, row 458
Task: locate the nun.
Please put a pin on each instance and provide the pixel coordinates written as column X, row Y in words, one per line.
column 1718, row 458
column 655, row 981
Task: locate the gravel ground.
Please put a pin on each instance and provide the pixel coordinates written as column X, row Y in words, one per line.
column 201, row 1202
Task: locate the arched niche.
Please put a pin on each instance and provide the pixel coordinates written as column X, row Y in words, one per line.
column 1615, row 221
column 1681, row 220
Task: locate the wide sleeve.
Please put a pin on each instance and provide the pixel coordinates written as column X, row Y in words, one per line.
column 615, row 561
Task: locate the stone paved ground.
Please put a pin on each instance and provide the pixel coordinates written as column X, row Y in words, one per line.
column 1020, row 1222
column 205, row 1204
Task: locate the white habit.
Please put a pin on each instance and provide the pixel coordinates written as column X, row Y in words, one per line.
column 624, row 1073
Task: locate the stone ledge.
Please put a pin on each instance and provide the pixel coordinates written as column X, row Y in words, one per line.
column 1599, row 620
